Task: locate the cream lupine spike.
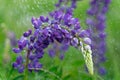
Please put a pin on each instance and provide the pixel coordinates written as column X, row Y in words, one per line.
column 87, row 53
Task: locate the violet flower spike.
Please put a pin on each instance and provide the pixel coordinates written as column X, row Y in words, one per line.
column 96, row 25
column 55, row 30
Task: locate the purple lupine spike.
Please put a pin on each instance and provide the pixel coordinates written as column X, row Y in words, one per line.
column 61, row 29
column 96, row 24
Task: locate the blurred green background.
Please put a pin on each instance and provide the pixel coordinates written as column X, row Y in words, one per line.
column 15, row 16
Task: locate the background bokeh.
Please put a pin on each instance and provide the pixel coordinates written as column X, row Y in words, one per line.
column 15, row 16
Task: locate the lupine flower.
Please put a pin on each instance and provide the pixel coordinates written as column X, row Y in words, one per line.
column 10, row 35
column 12, row 38
column 63, row 7
column 96, row 25
column 61, row 27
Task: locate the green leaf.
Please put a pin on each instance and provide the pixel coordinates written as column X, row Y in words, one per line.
column 53, row 69
column 20, row 77
column 60, row 71
column 2, row 76
column 67, row 77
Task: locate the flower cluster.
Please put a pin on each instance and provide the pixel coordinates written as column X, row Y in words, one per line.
column 60, row 49
column 59, row 27
column 67, row 5
column 96, row 25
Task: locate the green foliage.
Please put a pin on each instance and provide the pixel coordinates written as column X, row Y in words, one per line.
column 16, row 17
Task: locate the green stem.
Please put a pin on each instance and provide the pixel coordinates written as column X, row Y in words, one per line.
column 47, row 71
column 96, row 77
column 51, row 73
column 9, row 74
column 100, row 77
column 26, row 66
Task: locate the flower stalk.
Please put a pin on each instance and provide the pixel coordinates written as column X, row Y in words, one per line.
column 26, row 66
